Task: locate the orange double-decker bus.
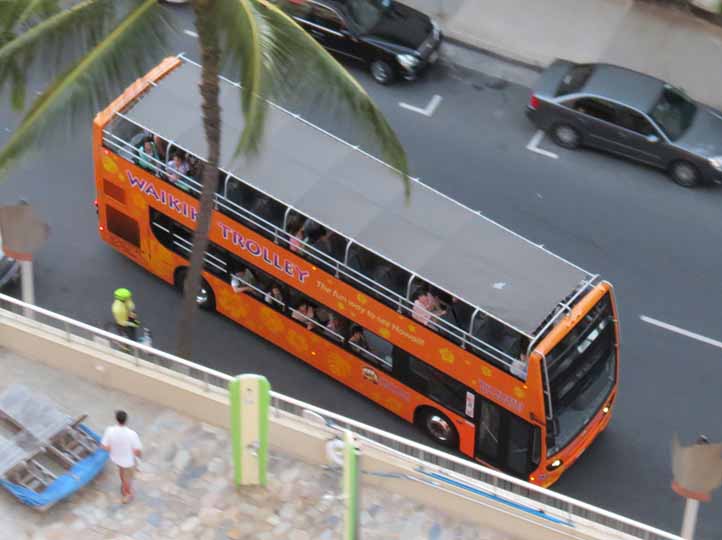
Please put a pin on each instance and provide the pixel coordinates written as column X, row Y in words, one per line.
column 486, row 341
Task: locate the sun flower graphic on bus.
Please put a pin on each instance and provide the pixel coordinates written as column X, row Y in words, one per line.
column 384, row 332
column 486, row 371
column 338, row 366
column 109, row 165
column 519, row 392
column 271, row 320
column 297, row 341
column 362, row 299
column 446, row 355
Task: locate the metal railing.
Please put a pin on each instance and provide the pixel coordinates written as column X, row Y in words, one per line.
column 427, row 461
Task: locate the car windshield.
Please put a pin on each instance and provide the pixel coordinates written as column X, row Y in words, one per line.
column 365, row 14
column 673, row 112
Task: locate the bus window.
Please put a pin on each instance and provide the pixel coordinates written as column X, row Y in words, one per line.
column 489, row 431
column 371, row 348
column 161, row 225
column 521, row 440
column 122, row 226
column 431, row 382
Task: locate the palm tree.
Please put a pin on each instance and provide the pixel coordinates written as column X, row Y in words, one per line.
column 100, row 46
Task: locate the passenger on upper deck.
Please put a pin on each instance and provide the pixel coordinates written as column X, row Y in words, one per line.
column 426, row 305
column 176, row 168
column 160, row 145
column 295, row 229
column 148, row 155
column 324, row 242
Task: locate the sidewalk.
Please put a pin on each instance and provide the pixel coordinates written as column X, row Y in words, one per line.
column 184, row 486
column 663, row 41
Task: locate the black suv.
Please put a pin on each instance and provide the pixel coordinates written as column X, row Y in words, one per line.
column 393, row 39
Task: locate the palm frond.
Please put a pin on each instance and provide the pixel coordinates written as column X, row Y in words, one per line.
column 277, row 59
column 244, row 39
column 300, row 61
column 115, row 59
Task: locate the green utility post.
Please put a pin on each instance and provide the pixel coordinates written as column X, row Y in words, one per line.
column 351, row 458
column 250, row 405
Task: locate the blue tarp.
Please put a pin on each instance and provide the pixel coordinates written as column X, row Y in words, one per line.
column 77, row 476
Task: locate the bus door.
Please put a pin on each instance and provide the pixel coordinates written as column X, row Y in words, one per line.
column 505, row 441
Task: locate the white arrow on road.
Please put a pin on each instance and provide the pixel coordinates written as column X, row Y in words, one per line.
column 428, row 110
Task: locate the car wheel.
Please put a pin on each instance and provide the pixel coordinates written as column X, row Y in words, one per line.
column 205, row 298
column 438, row 426
column 566, row 136
column 382, row 72
column 685, row 174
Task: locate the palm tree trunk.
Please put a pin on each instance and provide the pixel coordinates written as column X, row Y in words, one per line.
column 209, row 88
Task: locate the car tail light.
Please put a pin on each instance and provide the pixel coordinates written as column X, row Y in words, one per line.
column 533, row 102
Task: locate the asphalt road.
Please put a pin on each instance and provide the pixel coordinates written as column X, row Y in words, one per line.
column 656, row 242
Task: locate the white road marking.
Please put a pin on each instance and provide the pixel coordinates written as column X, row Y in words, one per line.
column 190, row 33
column 682, row 331
column 534, row 145
column 428, row 110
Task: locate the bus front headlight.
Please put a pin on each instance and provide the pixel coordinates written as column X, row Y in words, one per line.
column 554, row 464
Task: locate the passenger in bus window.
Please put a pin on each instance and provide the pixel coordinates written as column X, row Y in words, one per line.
column 336, row 326
column 274, row 297
column 357, row 339
column 305, row 314
column 426, row 305
column 245, row 282
column 176, row 167
column 148, row 155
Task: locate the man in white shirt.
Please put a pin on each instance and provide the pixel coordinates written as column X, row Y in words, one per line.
column 124, row 447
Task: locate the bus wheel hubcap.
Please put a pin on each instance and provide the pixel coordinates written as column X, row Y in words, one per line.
column 439, row 427
column 202, row 297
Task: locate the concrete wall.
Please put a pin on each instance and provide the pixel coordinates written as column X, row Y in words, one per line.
column 302, row 439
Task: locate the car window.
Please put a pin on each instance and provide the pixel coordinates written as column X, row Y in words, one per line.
column 673, row 112
column 632, row 120
column 327, row 18
column 575, row 79
column 596, row 108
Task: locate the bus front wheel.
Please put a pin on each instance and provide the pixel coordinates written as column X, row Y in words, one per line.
column 205, row 298
column 438, row 426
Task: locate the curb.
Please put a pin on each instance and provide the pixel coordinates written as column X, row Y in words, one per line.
column 494, row 54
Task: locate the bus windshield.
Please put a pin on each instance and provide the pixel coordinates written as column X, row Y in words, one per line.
column 581, row 371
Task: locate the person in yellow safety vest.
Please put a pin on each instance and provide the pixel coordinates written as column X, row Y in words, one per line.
column 124, row 313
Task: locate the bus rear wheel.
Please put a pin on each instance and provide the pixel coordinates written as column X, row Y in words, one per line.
column 205, row 298
column 438, row 426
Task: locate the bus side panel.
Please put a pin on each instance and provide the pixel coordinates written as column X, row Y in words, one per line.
column 329, row 358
